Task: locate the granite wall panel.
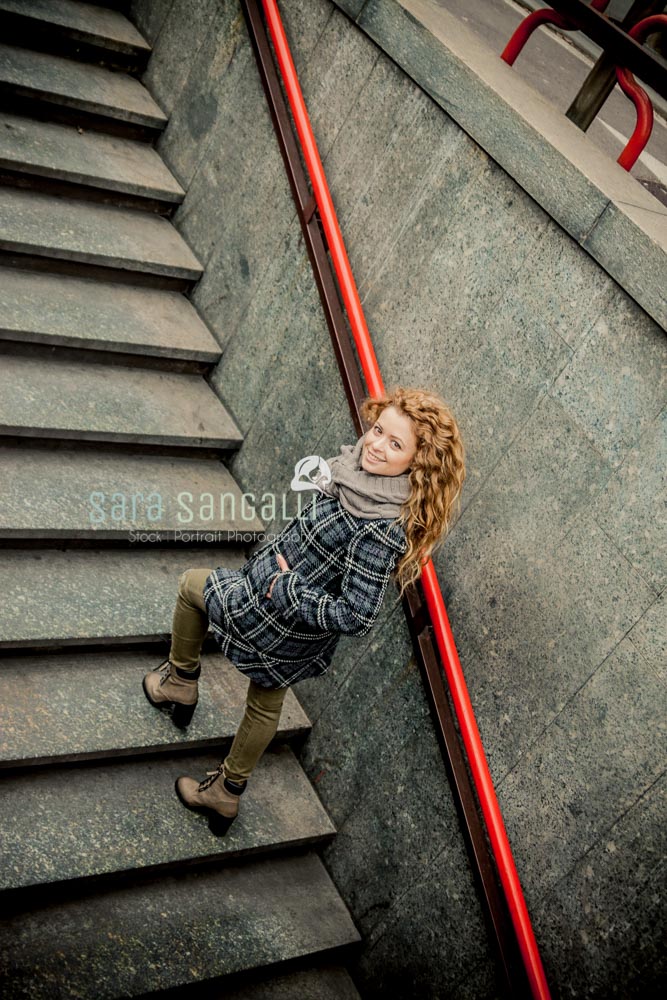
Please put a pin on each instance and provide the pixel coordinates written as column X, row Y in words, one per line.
column 554, row 571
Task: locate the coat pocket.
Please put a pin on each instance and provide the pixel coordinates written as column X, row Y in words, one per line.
column 258, row 572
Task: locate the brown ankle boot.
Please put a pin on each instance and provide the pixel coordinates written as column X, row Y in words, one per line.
column 219, row 799
column 171, row 687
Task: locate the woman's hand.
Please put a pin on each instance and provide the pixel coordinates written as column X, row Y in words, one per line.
column 282, row 562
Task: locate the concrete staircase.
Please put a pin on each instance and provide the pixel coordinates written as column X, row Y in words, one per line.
column 109, row 887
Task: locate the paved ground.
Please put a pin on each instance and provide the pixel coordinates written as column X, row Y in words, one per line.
column 557, row 69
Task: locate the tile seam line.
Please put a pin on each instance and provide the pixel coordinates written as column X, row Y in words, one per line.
column 161, row 29
column 581, row 240
column 654, row 588
column 540, row 397
column 347, row 216
column 364, row 5
column 571, row 698
column 550, row 891
column 194, row 57
column 641, row 208
column 294, row 216
column 417, row 728
column 614, row 474
column 647, row 663
column 244, row 37
column 604, row 833
column 381, row 260
column 206, row 145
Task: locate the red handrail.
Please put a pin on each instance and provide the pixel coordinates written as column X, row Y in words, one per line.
column 626, row 81
column 546, row 15
column 443, row 634
column 639, row 97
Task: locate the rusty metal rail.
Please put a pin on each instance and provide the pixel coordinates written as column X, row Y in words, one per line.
column 505, row 912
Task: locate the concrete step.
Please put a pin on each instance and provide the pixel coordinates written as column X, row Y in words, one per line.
column 36, row 150
column 102, row 316
column 67, row 494
column 66, row 229
column 316, row 982
column 67, row 707
column 91, row 402
column 60, row 825
column 62, row 599
column 76, row 88
column 131, row 940
column 71, row 24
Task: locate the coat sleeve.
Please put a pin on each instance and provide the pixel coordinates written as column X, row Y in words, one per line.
column 368, row 565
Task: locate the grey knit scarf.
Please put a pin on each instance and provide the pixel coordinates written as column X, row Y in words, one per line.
column 363, row 493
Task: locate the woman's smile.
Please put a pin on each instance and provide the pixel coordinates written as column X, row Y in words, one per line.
column 390, row 444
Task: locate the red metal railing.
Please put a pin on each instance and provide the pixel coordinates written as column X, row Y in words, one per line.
column 639, row 32
column 445, row 641
column 638, row 96
column 533, row 21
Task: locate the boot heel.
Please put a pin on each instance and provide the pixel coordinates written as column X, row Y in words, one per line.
column 219, row 825
column 182, row 714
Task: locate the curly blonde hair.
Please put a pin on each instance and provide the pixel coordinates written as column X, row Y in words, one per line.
column 437, row 473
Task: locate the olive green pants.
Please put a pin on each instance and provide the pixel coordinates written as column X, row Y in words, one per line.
column 263, row 705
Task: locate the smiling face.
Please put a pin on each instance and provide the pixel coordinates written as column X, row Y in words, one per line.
column 390, row 444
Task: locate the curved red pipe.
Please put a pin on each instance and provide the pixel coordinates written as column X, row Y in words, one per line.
column 527, row 27
column 644, row 126
column 538, row 17
column 443, row 634
column 626, row 80
column 638, row 95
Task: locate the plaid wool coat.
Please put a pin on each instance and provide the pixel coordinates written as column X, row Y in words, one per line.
column 339, row 570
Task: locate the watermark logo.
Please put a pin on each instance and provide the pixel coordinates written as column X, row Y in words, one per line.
column 154, row 510
column 311, row 471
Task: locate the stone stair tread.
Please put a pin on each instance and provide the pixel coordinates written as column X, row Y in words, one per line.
column 134, row 820
column 91, row 705
column 68, row 229
column 75, row 494
column 102, row 316
column 93, row 159
column 79, row 400
column 317, row 982
column 79, row 86
column 231, row 919
column 61, row 598
column 83, row 22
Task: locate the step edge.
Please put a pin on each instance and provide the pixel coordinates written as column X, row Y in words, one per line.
column 104, row 43
column 21, row 765
column 140, row 349
column 180, row 864
column 111, row 112
column 76, row 434
column 27, row 169
column 188, row 272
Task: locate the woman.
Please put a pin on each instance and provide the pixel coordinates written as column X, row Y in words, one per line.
column 386, row 508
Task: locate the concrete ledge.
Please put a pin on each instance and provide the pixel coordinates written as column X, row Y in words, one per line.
column 600, row 205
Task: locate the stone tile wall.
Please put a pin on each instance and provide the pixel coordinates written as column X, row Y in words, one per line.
column 554, row 573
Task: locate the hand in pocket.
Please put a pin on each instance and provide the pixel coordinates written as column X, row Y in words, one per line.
column 282, row 562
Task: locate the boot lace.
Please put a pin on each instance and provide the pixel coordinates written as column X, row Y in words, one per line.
column 165, row 670
column 213, row 776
